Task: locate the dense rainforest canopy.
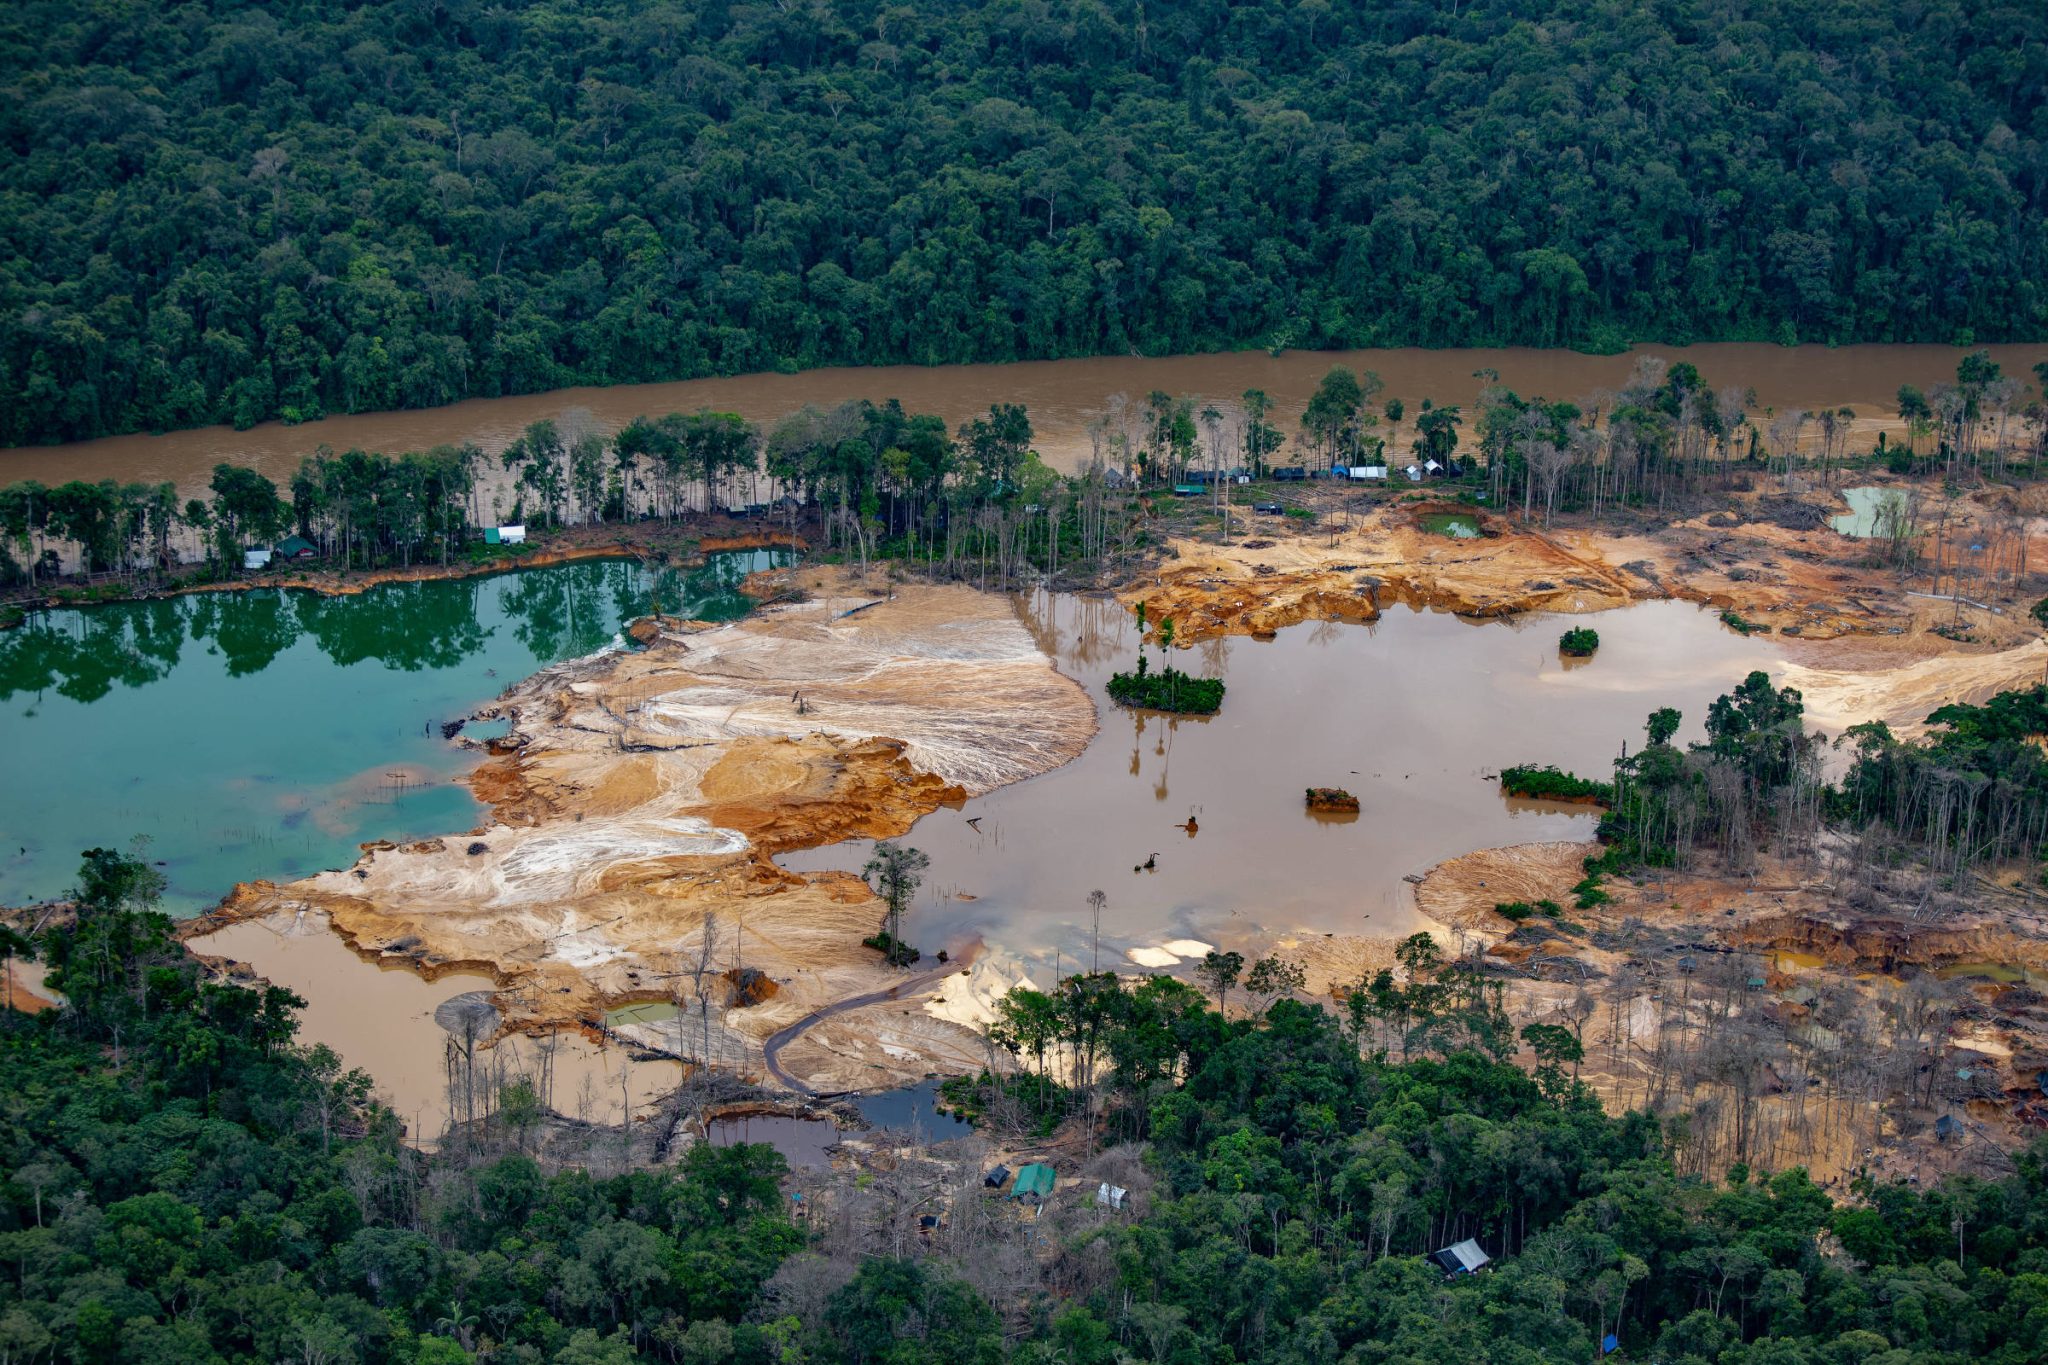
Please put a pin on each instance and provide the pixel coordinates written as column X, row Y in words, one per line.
column 229, row 211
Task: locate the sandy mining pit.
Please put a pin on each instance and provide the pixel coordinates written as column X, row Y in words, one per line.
column 643, row 794
column 643, row 797
column 1818, row 1000
column 1851, row 635
column 1809, row 584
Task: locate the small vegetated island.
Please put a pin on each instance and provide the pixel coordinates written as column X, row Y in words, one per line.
column 1579, row 642
column 1546, row 782
column 1168, row 689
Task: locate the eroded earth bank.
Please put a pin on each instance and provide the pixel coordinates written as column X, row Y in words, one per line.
column 641, row 795
column 625, row 884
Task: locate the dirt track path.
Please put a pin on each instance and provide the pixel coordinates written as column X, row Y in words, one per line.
column 771, row 1050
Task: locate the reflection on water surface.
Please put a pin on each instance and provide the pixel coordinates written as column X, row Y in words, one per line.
column 267, row 733
column 1413, row 715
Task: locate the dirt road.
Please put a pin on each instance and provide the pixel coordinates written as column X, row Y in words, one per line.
column 772, row 1049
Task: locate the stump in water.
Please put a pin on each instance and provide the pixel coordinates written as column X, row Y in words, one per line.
column 1331, row 798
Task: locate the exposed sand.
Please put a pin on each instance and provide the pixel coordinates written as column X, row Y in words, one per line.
column 1803, row 585
column 1905, row 695
column 635, row 820
column 648, row 791
column 1460, row 894
column 23, row 988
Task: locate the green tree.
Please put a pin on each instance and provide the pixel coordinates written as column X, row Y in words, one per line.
column 1220, row 972
column 895, row 872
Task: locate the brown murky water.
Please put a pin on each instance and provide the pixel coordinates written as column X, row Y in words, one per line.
column 1412, row 715
column 382, row 1020
column 802, row 1142
column 1062, row 395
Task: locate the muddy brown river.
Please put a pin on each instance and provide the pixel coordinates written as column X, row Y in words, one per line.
column 1063, row 397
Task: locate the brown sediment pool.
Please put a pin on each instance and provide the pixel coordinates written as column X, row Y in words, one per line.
column 802, row 1142
column 1413, row 714
column 381, row 1019
column 2004, row 973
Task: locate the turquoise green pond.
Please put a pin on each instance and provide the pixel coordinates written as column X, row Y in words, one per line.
column 1866, row 506
column 1451, row 524
column 267, row 733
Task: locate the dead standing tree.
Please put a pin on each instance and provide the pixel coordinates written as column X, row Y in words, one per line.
column 707, row 953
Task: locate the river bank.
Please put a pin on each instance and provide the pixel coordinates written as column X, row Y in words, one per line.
column 1062, row 396
column 656, row 540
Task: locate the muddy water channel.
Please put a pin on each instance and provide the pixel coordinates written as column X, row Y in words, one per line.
column 1412, row 715
column 267, row 733
column 382, row 1019
column 1062, row 396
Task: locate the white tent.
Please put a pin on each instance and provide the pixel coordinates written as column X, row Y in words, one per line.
column 255, row 559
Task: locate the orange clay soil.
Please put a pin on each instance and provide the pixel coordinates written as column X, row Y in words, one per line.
column 1857, row 642
column 646, row 793
column 1812, row 585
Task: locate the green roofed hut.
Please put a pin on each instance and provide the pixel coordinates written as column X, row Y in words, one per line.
column 297, row 547
column 1034, row 1182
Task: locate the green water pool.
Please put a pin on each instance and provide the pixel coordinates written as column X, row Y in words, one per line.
column 1866, row 515
column 1452, row 524
column 646, row 1012
column 267, row 733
